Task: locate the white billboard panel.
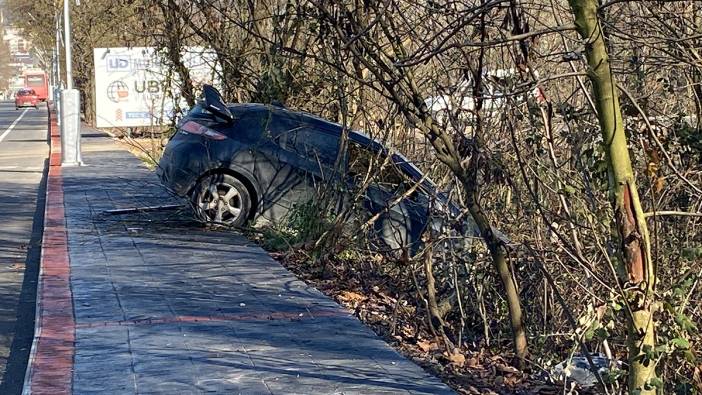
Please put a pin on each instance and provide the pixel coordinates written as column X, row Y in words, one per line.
column 131, row 84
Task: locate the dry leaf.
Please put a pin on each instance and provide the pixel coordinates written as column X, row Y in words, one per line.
column 506, row 368
column 350, row 296
column 456, row 358
column 472, row 362
column 426, row 346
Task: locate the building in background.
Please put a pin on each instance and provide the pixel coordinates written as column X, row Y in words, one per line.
column 15, row 57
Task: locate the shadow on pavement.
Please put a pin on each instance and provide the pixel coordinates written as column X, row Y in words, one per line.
column 23, row 329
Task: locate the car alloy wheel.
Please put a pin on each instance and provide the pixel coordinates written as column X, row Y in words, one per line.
column 222, row 199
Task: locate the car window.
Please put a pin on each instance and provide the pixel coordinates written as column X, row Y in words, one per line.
column 199, row 111
column 304, row 140
column 317, row 144
column 386, row 173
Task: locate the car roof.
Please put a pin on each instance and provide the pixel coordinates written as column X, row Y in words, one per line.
column 307, row 118
column 336, row 128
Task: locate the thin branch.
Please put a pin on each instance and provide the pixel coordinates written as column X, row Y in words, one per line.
column 671, row 213
column 483, row 44
column 668, row 159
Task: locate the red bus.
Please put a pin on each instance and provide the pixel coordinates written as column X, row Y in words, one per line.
column 37, row 80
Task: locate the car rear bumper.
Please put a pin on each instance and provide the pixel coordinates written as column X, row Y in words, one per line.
column 182, row 164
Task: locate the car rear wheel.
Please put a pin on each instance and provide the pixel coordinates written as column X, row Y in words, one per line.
column 222, row 199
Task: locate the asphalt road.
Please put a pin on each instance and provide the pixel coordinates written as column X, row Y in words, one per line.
column 23, row 160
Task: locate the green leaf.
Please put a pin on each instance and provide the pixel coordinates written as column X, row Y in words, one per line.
column 668, row 307
column 689, row 356
column 589, row 334
column 569, row 190
column 685, row 323
column 601, row 333
column 655, row 382
column 661, row 349
column 680, row 343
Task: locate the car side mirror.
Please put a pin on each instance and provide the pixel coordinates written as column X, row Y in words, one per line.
column 215, row 104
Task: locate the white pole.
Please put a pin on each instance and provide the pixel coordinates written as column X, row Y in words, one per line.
column 57, row 70
column 67, row 36
column 69, row 106
column 58, row 51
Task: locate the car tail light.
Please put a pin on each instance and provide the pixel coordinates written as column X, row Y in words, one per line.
column 195, row 128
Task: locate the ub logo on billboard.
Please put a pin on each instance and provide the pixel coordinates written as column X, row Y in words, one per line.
column 118, row 63
column 150, row 86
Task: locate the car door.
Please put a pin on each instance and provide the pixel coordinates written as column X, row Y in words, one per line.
column 302, row 153
column 401, row 213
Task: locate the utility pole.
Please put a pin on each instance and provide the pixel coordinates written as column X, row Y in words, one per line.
column 67, row 37
column 58, row 52
column 57, row 69
column 69, row 103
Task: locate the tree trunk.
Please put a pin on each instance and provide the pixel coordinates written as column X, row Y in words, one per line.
column 498, row 253
column 637, row 273
column 173, row 43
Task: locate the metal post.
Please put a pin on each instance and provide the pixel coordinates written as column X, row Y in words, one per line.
column 70, row 128
column 57, row 70
column 69, row 103
column 58, row 50
column 67, row 36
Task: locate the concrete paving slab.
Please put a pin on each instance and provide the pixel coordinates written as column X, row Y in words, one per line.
column 177, row 308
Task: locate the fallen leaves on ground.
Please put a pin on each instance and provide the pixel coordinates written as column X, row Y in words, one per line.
column 456, row 358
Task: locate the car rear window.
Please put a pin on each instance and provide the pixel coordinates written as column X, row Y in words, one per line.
column 198, row 111
column 25, row 93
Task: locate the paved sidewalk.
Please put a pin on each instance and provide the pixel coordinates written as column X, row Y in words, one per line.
column 164, row 306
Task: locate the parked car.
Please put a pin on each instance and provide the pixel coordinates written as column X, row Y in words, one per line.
column 26, row 98
column 239, row 162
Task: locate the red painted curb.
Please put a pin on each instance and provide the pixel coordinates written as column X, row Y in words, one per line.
column 50, row 368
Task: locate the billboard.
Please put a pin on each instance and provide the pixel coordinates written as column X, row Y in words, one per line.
column 132, row 88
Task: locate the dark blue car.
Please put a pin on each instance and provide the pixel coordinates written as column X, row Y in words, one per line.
column 241, row 162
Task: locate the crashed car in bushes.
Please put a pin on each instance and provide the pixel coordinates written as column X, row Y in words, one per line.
column 241, row 162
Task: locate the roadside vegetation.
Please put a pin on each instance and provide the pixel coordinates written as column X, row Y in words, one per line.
column 573, row 128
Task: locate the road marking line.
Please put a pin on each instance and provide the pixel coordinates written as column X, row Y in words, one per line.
column 8, row 130
column 11, row 168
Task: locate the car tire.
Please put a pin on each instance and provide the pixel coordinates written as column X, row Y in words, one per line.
column 221, row 199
